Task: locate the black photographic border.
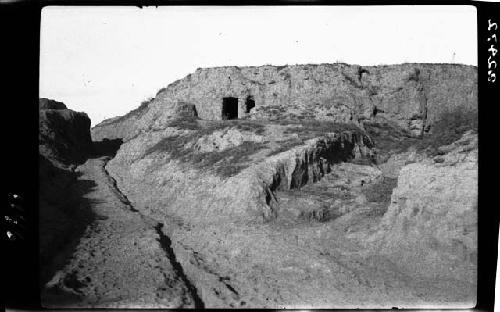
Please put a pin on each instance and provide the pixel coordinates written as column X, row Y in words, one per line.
column 20, row 38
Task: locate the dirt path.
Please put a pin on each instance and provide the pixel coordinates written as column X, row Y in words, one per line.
column 123, row 260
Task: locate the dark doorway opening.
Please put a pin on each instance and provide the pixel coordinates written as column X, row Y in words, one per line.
column 376, row 110
column 249, row 104
column 229, row 108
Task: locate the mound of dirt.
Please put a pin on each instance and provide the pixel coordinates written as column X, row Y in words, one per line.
column 431, row 223
column 292, row 205
column 223, row 171
column 336, row 185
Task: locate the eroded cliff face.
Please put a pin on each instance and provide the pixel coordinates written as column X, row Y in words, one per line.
column 64, row 135
column 170, row 187
column 301, row 226
column 64, row 142
column 433, row 213
column 412, row 95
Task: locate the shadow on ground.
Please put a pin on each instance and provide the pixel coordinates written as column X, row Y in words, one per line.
column 64, row 211
column 105, row 148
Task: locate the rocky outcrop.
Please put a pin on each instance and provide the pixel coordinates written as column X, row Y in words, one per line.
column 412, row 95
column 431, row 223
column 64, row 135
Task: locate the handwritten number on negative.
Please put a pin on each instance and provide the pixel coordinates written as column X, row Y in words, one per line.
column 493, row 50
column 491, row 76
column 490, row 25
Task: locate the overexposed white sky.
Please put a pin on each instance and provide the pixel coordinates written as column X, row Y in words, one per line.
column 106, row 60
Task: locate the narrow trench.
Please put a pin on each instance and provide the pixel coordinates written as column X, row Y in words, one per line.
column 166, row 245
column 165, row 242
column 123, row 198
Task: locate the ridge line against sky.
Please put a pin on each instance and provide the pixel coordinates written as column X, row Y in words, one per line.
column 106, row 60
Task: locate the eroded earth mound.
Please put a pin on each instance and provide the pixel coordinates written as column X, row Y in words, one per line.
column 433, row 213
column 285, row 214
column 412, row 95
column 335, row 186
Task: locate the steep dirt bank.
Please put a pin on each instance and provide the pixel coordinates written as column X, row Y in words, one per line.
column 64, row 135
column 324, row 249
column 171, row 172
column 433, row 214
column 122, row 260
column 64, row 142
column 96, row 250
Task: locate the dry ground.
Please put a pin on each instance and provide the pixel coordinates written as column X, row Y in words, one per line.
column 122, row 260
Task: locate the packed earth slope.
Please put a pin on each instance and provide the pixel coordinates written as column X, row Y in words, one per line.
column 412, row 95
column 293, row 214
column 218, row 170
